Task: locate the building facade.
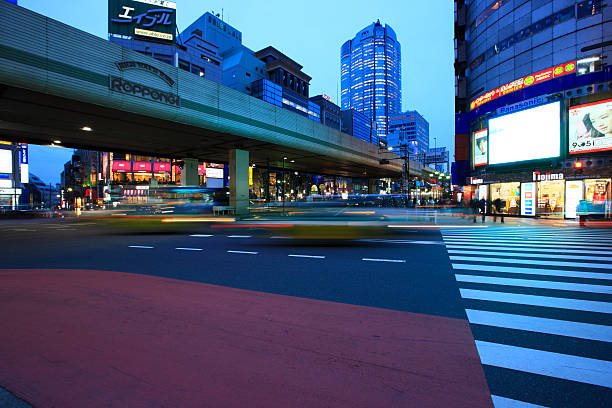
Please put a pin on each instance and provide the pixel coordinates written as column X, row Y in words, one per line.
column 330, row 112
column 409, row 129
column 370, row 75
column 358, row 125
column 533, row 91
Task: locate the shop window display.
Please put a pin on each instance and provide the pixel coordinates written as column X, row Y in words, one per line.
column 551, row 198
column 510, row 196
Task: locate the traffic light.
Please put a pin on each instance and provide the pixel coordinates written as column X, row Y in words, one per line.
column 578, row 165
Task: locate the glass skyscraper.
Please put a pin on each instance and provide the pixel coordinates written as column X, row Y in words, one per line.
column 370, row 69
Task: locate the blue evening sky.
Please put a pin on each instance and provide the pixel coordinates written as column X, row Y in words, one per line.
column 310, row 32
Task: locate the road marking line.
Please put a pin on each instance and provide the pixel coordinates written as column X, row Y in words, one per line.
column 579, row 330
column 402, row 241
column 540, row 284
column 534, row 271
column 533, row 300
column 552, row 239
column 307, row 256
column 383, row 260
column 524, row 255
column 280, row 237
column 468, row 244
column 530, row 261
column 141, row 246
column 573, row 368
column 243, row 252
column 190, row 249
column 503, row 402
column 557, row 250
column 201, row 235
column 239, row 236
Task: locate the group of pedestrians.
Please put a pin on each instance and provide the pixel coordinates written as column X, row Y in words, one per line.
column 480, row 206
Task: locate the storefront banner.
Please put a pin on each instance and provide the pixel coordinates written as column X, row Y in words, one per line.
column 528, row 198
column 480, row 147
column 590, row 127
column 573, row 195
column 214, row 173
column 541, row 76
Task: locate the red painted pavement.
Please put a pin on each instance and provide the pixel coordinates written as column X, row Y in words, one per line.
column 82, row 338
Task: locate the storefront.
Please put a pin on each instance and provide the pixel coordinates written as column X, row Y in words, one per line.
column 545, row 195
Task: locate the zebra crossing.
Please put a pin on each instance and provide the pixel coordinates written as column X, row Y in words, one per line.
column 539, row 303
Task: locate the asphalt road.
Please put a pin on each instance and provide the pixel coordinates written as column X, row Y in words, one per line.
column 537, row 298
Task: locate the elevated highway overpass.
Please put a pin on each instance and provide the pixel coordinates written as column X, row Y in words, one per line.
column 55, row 80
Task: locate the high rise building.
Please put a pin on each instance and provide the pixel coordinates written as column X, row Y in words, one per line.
column 371, row 75
column 409, row 129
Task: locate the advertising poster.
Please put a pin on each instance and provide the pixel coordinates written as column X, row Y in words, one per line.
column 597, row 190
column 6, row 161
column 530, row 134
column 573, row 195
column 480, row 147
column 528, row 198
column 590, row 127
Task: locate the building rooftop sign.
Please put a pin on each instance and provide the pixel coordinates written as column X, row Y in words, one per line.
column 154, row 19
column 542, row 76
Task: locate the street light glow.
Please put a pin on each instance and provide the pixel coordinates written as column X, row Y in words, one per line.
column 86, row 129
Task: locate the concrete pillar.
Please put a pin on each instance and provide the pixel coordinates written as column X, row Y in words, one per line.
column 239, row 180
column 189, row 174
column 371, row 186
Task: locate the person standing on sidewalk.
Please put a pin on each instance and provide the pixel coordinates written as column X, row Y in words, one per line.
column 483, row 207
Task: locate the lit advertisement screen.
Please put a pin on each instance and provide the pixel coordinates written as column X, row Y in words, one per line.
column 590, row 127
column 530, row 134
column 6, row 161
column 480, row 147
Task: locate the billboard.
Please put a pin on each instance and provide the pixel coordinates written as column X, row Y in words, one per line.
column 147, row 19
column 590, row 127
column 529, row 134
column 479, row 147
column 6, row 161
column 536, row 78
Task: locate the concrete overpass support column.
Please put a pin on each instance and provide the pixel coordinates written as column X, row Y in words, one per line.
column 371, row 186
column 239, row 180
column 189, row 174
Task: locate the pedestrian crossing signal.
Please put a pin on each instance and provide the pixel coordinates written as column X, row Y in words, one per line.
column 578, row 165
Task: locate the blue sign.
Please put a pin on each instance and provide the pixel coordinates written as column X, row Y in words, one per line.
column 4, row 176
column 23, row 154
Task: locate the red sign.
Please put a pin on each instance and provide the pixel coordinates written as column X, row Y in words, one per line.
column 545, row 75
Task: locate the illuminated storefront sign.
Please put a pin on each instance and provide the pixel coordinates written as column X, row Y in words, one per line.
column 475, row 180
column 573, row 195
column 528, row 199
column 590, row 127
column 132, row 88
column 154, row 19
column 542, row 76
column 537, row 176
column 214, row 173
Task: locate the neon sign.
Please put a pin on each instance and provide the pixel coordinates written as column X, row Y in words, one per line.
column 541, row 76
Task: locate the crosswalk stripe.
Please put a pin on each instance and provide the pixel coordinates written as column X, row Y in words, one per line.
column 557, row 250
column 524, row 255
column 534, row 300
column 540, row 284
column 579, row 330
column 573, row 368
column 558, row 241
column 529, row 261
column 533, row 271
column 503, row 402
column 518, row 245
